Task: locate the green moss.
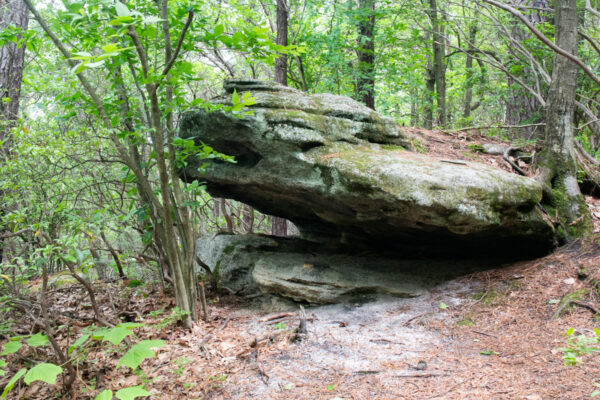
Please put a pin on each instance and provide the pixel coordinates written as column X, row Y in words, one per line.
column 228, row 250
column 392, row 147
column 466, row 321
column 476, row 148
column 489, row 298
column 419, row 146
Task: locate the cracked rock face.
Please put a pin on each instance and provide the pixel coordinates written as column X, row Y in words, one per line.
column 304, row 271
column 345, row 174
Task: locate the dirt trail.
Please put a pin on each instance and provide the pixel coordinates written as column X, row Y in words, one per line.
column 489, row 335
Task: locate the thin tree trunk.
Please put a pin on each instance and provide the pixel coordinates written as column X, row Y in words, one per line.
column 279, row 225
column 430, row 88
column 365, row 87
column 282, row 40
column 115, row 256
column 248, row 218
column 469, row 75
column 439, row 66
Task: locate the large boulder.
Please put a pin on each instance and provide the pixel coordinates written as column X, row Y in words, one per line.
column 345, row 174
column 305, row 271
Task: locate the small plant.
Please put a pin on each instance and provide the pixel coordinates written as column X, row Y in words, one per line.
column 579, row 345
column 77, row 352
column 219, row 378
column 280, row 325
column 488, row 352
column 176, row 315
column 181, row 363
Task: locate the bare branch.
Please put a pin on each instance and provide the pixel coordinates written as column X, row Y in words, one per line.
column 545, row 40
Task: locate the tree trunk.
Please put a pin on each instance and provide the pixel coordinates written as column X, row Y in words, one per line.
column 248, row 218
column 365, row 86
column 521, row 106
column 558, row 167
column 279, row 225
column 439, row 66
column 282, row 40
column 430, row 89
column 469, row 75
column 12, row 61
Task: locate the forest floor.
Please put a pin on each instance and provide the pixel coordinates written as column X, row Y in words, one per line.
column 487, row 335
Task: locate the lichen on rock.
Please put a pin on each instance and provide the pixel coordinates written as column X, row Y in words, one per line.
column 345, row 174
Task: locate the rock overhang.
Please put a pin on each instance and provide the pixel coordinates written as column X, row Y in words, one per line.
column 343, row 173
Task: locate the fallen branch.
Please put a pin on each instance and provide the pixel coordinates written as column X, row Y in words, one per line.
column 421, row 375
column 471, row 128
column 277, row 316
column 454, row 162
column 411, row 319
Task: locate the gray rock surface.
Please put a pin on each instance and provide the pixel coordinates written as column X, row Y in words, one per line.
column 303, row 271
column 345, row 174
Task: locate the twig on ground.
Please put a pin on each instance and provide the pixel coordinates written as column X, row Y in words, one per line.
column 277, row 316
column 421, row 375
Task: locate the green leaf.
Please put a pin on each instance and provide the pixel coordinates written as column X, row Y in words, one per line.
column 280, row 325
column 130, row 325
column 121, row 9
column 11, row 384
column 99, row 334
column 10, row 348
column 235, row 99
column 80, row 341
column 131, row 393
column 37, row 340
column 45, row 372
column 219, row 29
column 139, row 352
column 104, row 395
column 121, row 20
column 116, row 335
column 95, row 64
column 110, row 48
column 443, row 305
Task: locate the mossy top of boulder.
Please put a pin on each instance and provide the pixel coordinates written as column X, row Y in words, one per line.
column 273, row 95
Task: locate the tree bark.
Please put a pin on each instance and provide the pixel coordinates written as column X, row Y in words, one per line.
column 439, row 66
column 282, row 40
column 279, row 225
column 365, row 86
column 12, row 61
column 521, row 106
column 430, row 89
column 558, row 166
column 469, row 75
